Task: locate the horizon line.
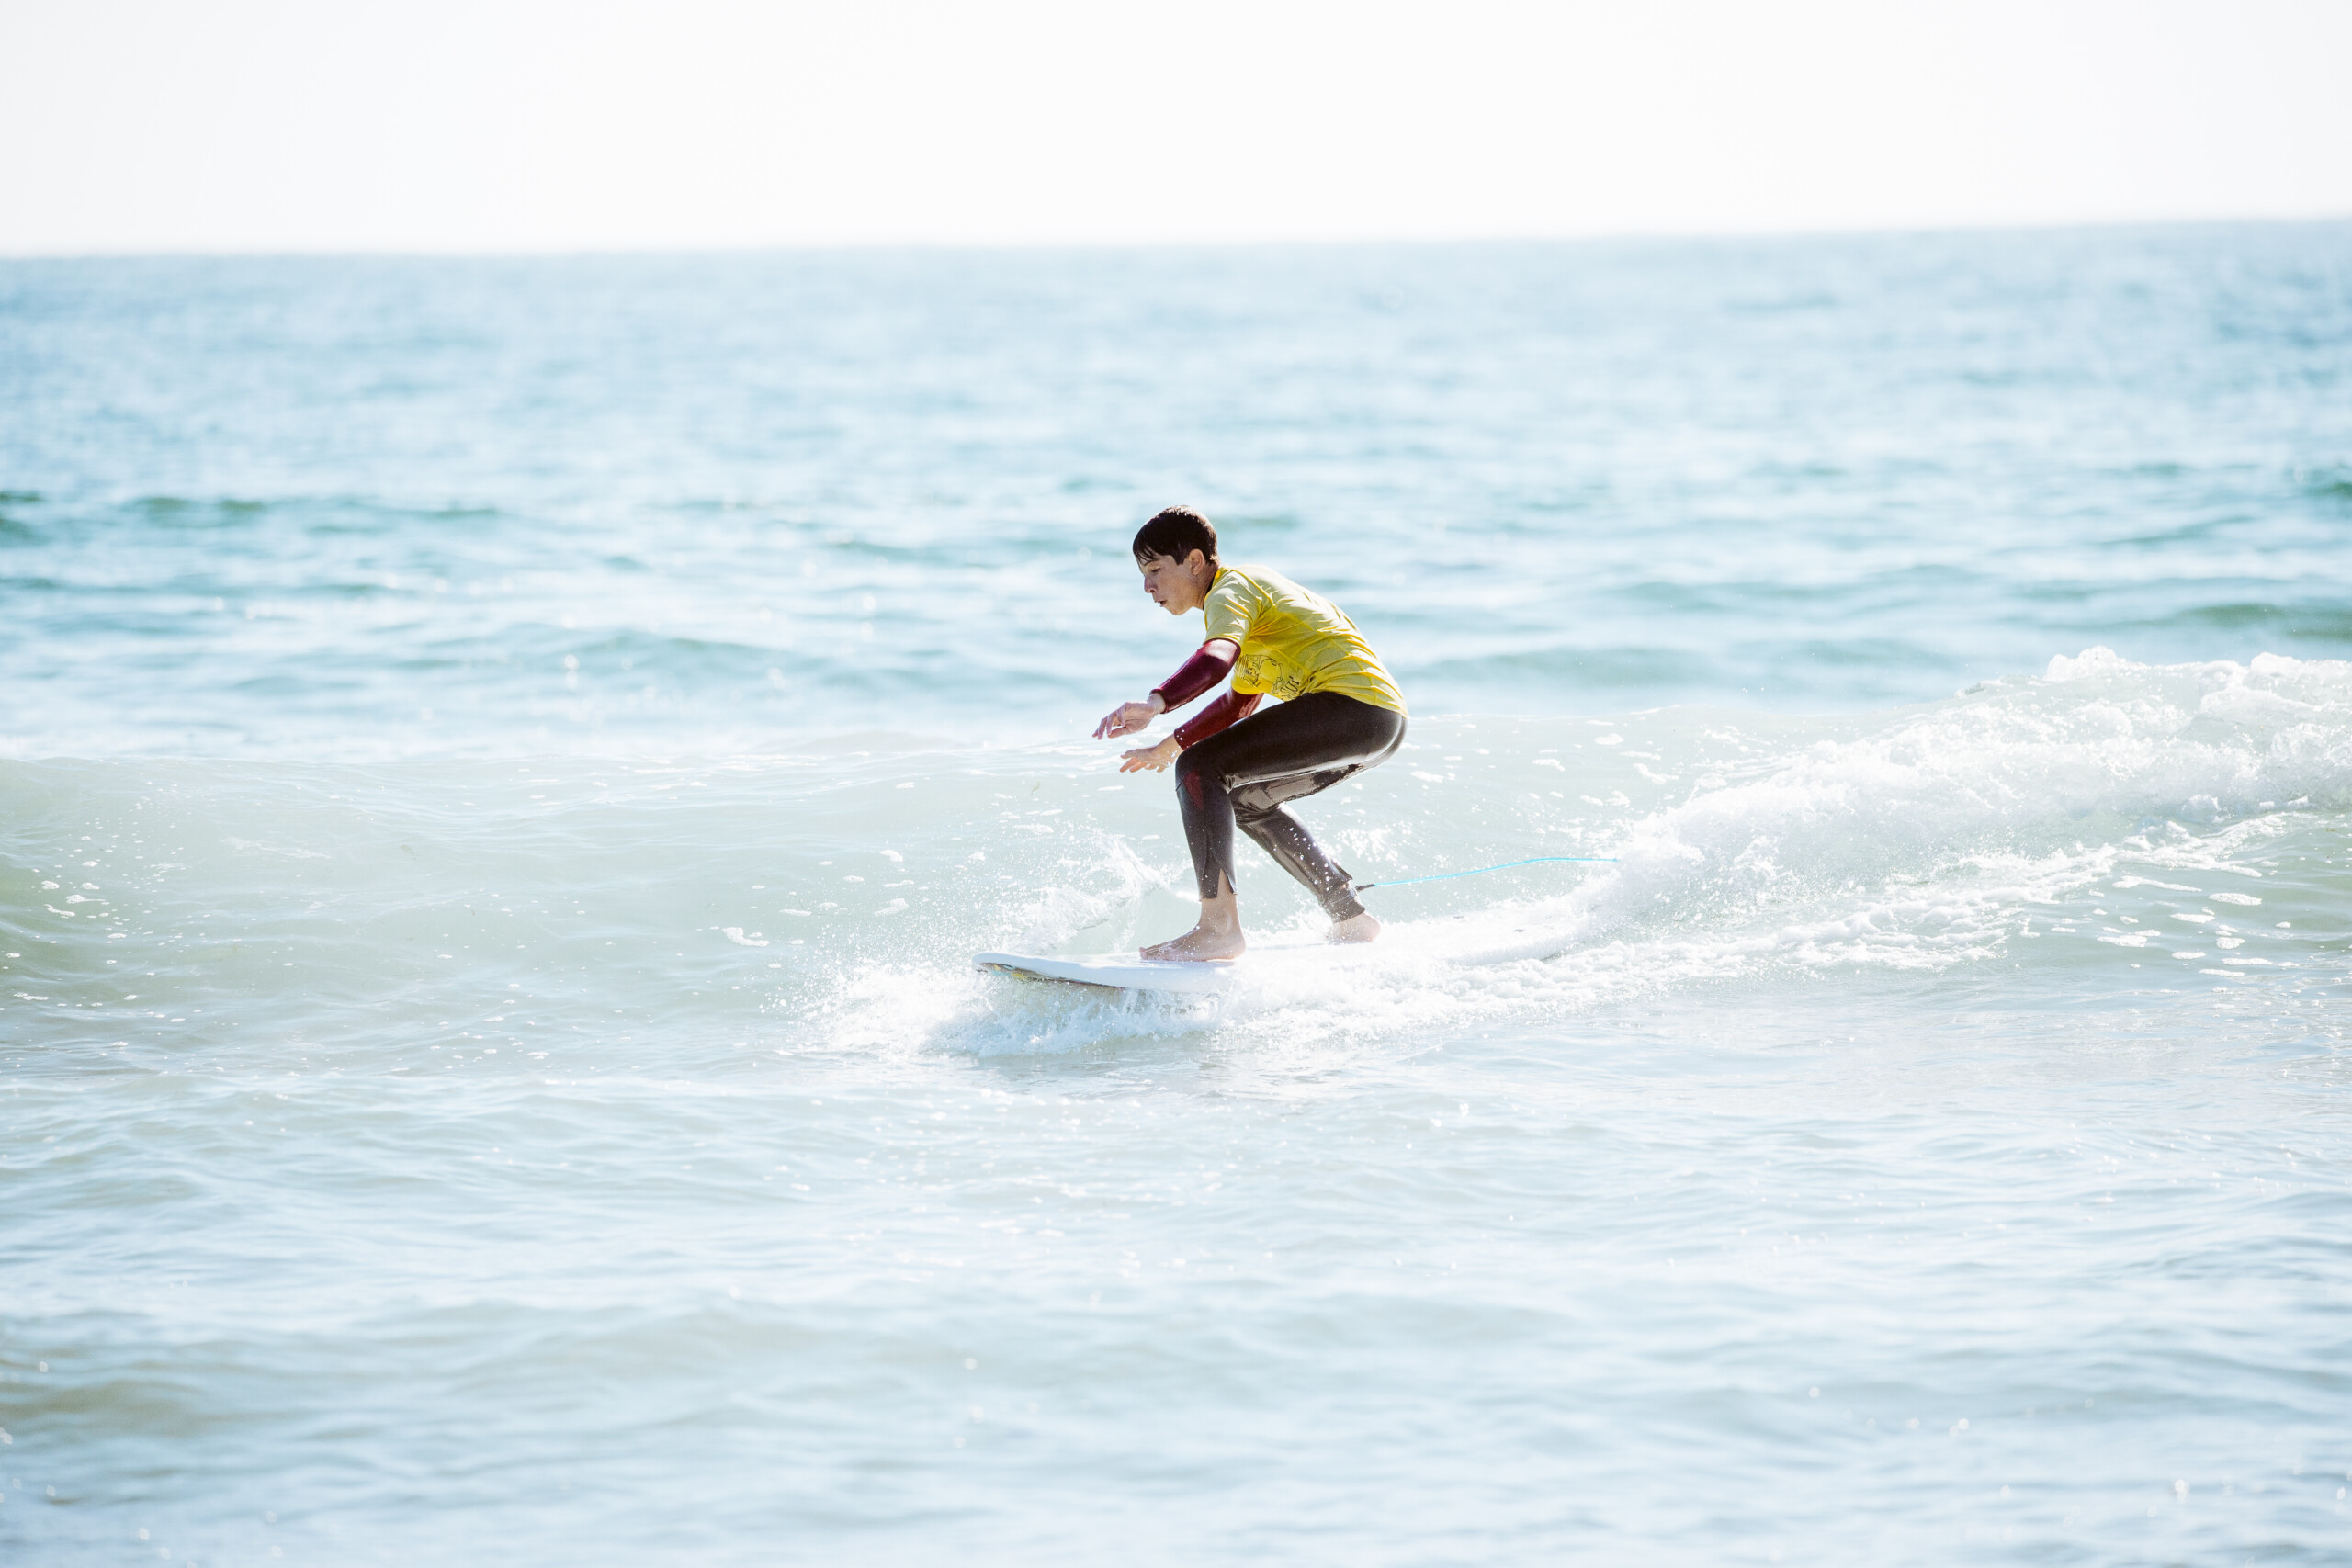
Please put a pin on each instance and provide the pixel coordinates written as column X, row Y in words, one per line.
column 780, row 247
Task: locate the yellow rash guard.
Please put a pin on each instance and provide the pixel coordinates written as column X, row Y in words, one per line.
column 1293, row 641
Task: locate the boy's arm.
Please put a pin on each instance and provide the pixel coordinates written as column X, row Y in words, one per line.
column 1229, row 709
column 1223, row 713
column 1211, row 664
column 1198, row 674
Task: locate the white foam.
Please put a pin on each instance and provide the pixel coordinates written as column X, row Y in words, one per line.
column 1909, row 843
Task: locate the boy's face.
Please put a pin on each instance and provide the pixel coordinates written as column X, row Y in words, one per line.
column 1178, row 586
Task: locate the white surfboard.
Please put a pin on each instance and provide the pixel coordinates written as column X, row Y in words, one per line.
column 1118, row 972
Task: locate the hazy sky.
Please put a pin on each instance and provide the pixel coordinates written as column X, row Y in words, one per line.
column 501, row 125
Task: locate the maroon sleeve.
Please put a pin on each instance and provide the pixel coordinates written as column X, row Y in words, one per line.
column 1199, row 672
column 1227, row 710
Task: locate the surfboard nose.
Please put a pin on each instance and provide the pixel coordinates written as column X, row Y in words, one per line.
column 1118, row 972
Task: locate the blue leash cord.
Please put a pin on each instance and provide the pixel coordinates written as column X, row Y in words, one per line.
column 1450, row 876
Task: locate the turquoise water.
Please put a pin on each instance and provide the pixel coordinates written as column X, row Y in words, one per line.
column 505, row 764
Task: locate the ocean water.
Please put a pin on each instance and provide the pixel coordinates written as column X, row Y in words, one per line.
column 503, row 765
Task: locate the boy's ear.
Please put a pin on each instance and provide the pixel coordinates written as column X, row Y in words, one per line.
column 1195, row 561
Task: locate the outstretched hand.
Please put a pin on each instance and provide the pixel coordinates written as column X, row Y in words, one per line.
column 1127, row 718
column 1156, row 758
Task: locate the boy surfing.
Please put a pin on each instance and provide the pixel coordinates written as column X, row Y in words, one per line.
column 1337, row 712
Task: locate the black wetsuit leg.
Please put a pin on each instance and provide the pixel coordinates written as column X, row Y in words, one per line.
column 1247, row 775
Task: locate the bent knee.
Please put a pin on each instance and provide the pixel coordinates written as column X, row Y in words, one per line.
column 1195, row 779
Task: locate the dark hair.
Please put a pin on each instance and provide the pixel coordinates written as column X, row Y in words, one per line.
column 1178, row 532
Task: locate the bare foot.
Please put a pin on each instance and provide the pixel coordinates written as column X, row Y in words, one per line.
column 1199, row 945
column 1355, row 927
